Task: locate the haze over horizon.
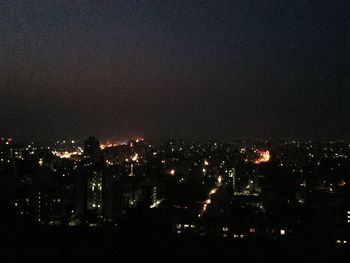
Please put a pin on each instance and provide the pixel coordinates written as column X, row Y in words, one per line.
column 184, row 69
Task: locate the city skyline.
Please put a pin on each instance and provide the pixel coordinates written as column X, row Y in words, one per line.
column 175, row 130
column 184, row 69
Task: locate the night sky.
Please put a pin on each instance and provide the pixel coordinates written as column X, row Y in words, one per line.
column 184, row 69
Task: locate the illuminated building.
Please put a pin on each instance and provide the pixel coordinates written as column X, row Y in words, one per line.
column 89, row 180
column 155, row 200
column 132, row 194
column 39, row 198
column 232, row 175
column 89, row 190
column 133, row 159
column 94, row 194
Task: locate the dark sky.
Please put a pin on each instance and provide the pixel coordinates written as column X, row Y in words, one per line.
column 184, row 69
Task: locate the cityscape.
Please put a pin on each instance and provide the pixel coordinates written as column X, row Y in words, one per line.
column 246, row 190
column 241, row 190
column 174, row 131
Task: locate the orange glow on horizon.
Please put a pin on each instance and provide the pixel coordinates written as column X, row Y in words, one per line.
column 114, row 143
column 139, row 139
column 108, row 144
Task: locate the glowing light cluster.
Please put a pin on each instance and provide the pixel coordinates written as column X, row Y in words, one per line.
column 135, row 157
column 263, row 156
column 213, row 191
column 66, row 154
column 342, row 183
column 6, row 139
column 108, row 144
column 219, row 179
column 156, row 203
column 207, row 202
column 139, row 139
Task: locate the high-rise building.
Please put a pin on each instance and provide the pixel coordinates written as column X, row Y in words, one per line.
column 81, row 190
column 89, row 180
column 89, row 190
column 110, row 202
column 94, row 193
column 92, row 151
column 232, row 175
